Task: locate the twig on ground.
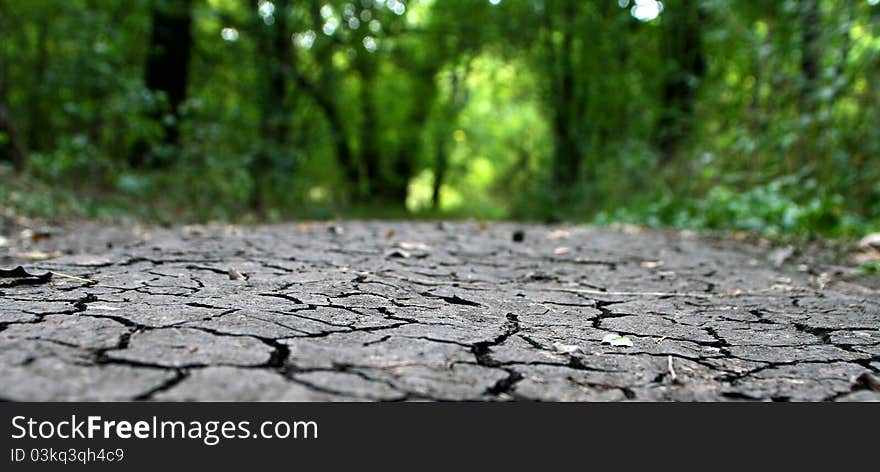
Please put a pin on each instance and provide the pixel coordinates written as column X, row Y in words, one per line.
column 66, row 276
column 673, row 377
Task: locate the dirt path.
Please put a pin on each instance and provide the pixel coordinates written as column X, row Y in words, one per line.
column 409, row 311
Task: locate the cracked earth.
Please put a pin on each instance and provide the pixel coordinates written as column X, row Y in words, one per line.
column 428, row 311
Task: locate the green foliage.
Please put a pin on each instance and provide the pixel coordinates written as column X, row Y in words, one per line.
column 784, row 206
column 870, row 268
column 706, row 115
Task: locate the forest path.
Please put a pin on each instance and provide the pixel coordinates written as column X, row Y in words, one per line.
column 438, row 311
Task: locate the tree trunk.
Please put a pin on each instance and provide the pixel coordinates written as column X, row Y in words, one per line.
column 12, row 148
column 167, row 69
column 395, row 187
column 369, row 129
column 566, row 158
column 325, row 97
column 458, row 98
column 338, row 136
column 275, row 113
column 682, row 46
column 441, row 163
column 37, row 126
column 811, row 54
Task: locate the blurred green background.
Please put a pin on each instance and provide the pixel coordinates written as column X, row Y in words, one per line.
column 716, row 114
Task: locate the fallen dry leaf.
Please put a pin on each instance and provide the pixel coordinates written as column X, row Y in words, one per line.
column 559, row 234
column 615, row 339
column 192, row 230
column 36, row 255
column 869, row 249
column 399, row 253
column 871, row 241
column 567, row 348
column 414, row 246
column 236, row 275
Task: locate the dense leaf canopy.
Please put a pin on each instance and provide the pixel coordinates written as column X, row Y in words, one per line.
column 741, row 114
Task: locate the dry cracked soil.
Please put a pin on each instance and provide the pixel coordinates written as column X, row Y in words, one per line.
column 392, row 311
